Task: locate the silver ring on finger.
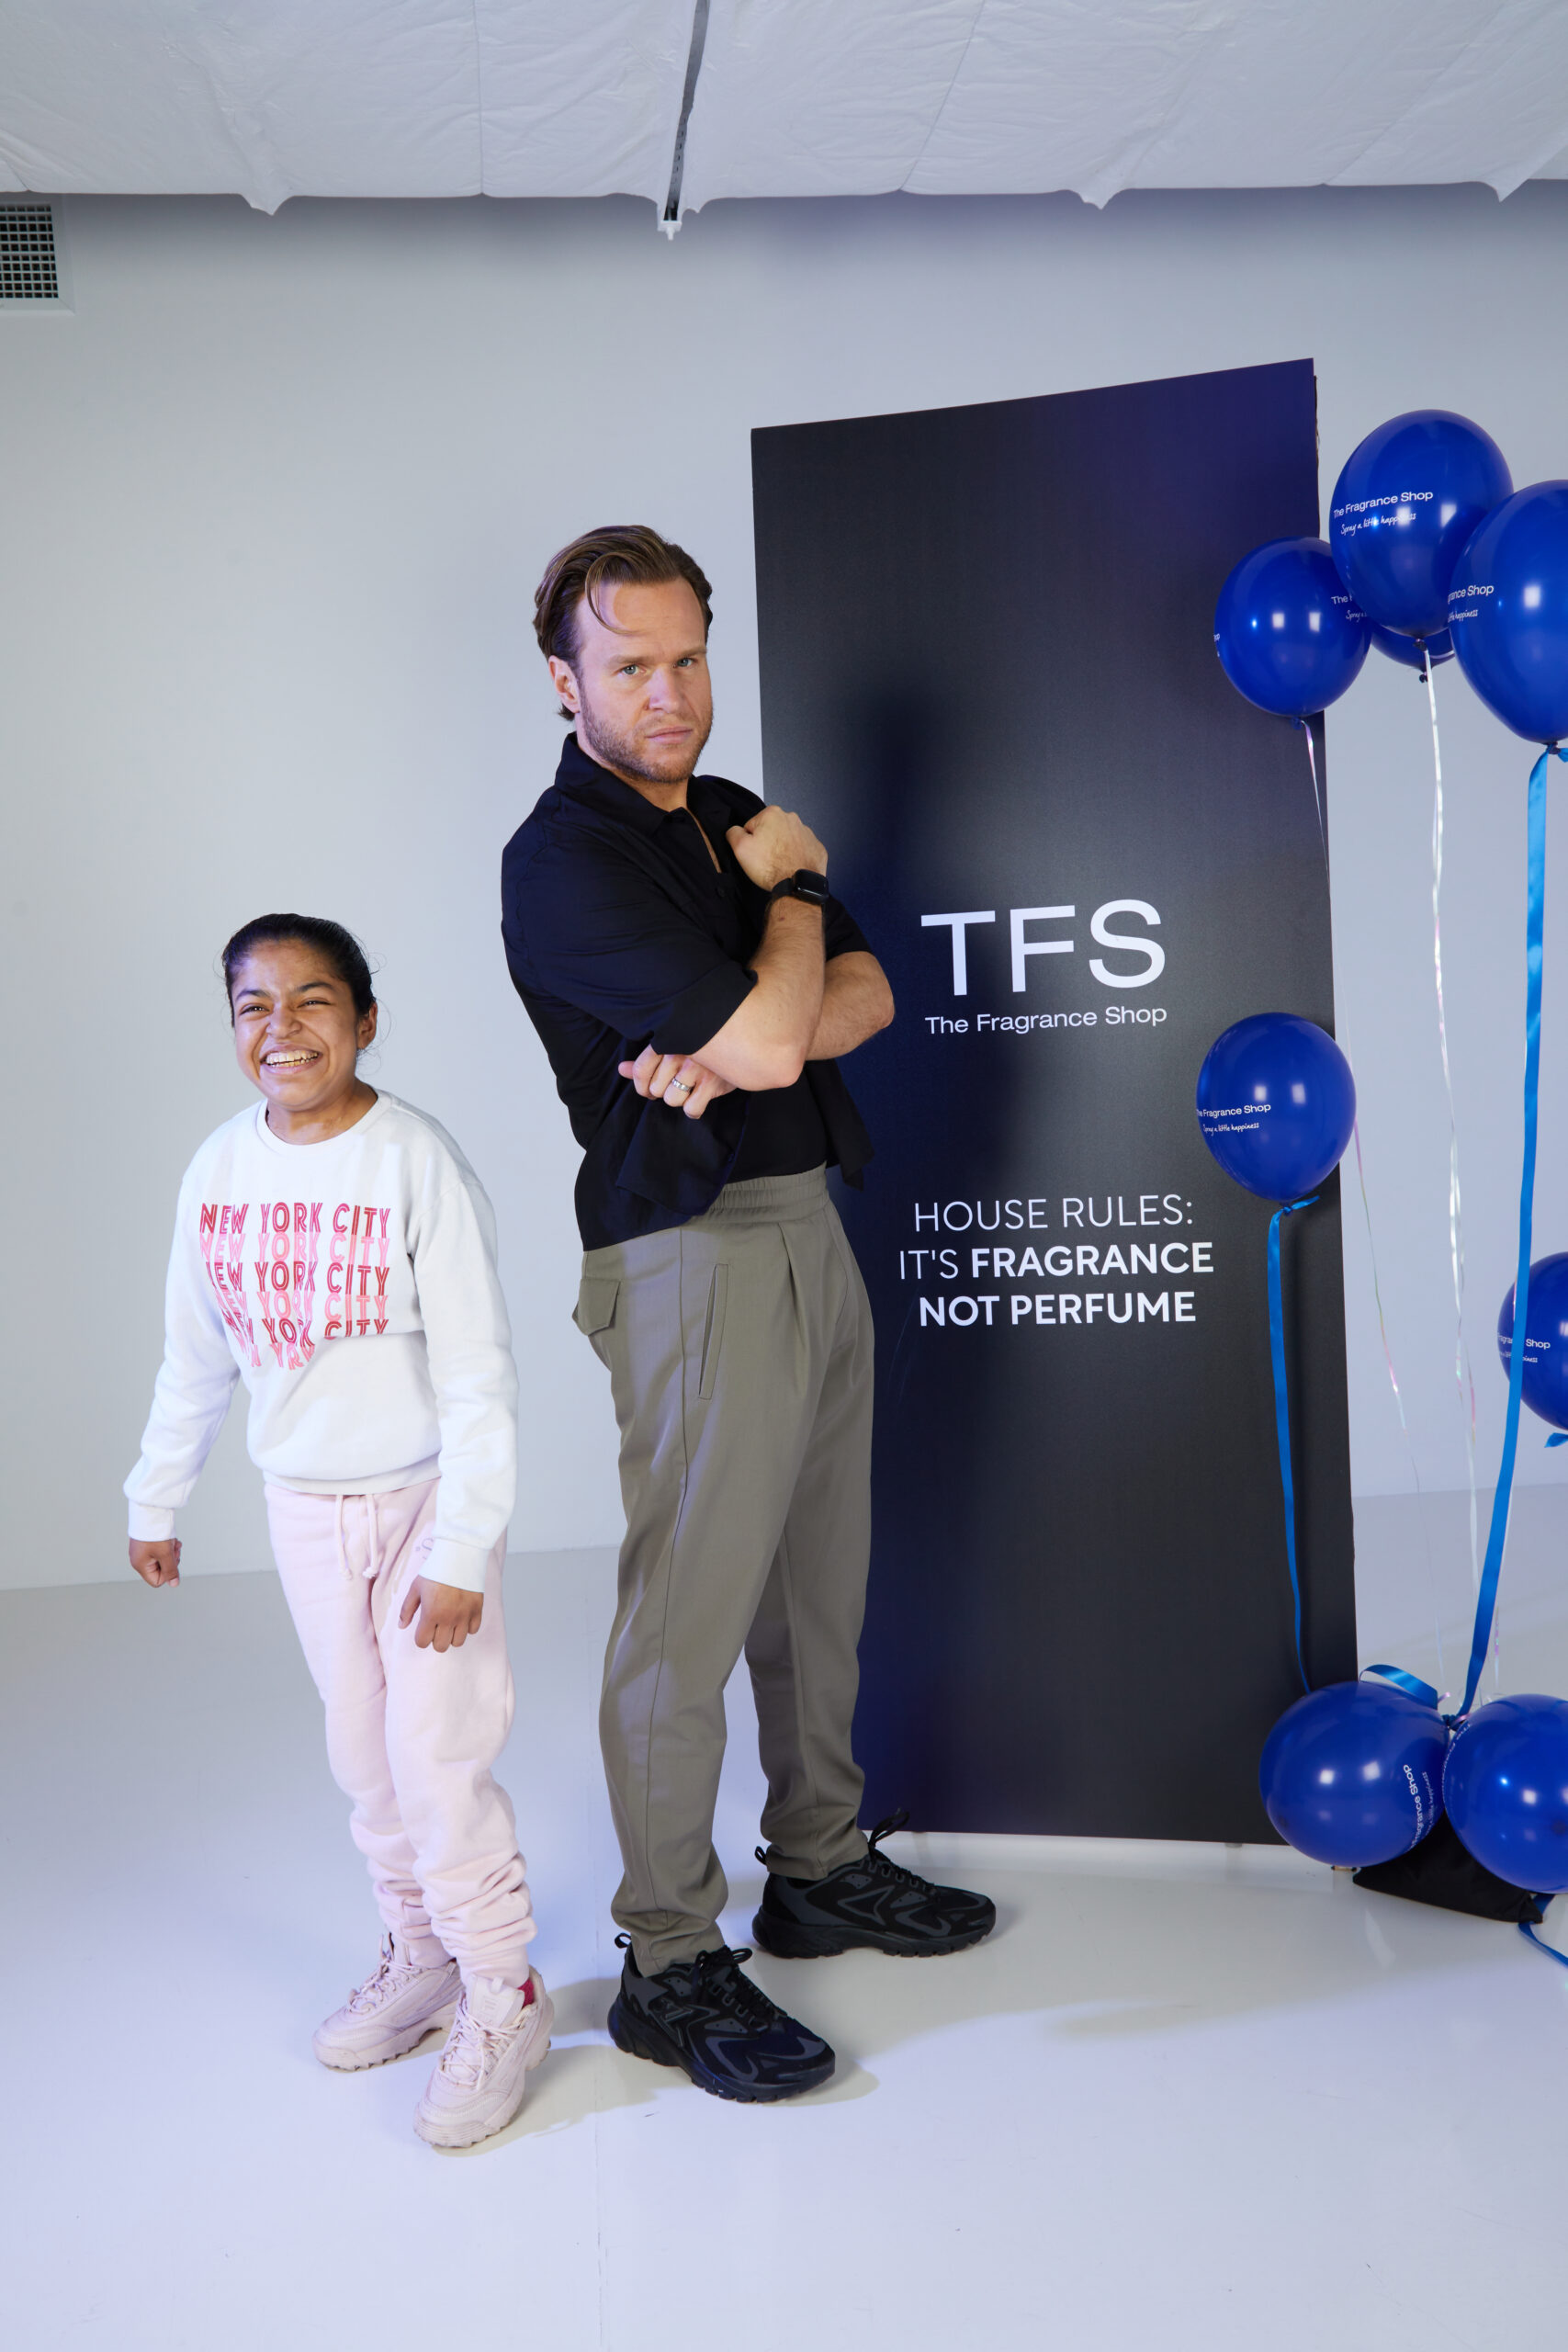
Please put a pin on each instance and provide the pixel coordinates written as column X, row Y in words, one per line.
column 680, row 1086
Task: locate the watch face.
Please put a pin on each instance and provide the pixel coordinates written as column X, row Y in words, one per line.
column 812, row 888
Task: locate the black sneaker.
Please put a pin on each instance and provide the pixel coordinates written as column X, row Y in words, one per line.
column 873, row 1902
column 705, row 2015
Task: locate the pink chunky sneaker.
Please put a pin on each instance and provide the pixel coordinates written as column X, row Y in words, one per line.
column 497, row 2036
column 396, row 2006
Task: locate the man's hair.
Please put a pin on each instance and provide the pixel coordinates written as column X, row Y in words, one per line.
column 620, row 555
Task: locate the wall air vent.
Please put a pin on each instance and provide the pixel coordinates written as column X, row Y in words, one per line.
column 28, row 267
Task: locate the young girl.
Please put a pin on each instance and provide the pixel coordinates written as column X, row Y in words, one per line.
column 334, row 1250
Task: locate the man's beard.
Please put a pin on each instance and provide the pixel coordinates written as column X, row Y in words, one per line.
column 617, row 751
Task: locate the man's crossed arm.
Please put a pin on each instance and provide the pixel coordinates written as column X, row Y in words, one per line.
column 802, row 1009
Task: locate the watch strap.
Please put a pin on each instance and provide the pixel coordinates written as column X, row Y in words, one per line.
column 804, row 883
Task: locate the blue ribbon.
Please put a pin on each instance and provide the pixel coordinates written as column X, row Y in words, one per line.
column 1426, row 1691
column 1486, row 1603
column 1283, row 1411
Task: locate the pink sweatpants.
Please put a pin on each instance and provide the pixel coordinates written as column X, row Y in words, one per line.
column 411, row 1734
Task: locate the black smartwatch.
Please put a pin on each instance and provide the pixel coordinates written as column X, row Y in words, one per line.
column 812, row 888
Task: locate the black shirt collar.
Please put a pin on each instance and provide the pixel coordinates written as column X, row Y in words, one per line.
column 587, row 780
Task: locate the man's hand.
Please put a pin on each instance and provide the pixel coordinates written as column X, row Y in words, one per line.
column 447, row 1614
column 157, row 1563
column 775, row 843
column 675, row 1078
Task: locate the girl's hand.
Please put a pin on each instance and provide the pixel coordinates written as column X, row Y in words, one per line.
column 447, row 1614
column 157, row 1563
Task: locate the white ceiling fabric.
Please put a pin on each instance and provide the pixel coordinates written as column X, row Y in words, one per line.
column 273, row 98
column 962, row 97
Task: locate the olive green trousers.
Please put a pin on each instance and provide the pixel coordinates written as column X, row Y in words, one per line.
column 740, row 1352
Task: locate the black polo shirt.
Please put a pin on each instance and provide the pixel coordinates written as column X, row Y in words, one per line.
column 620, row 934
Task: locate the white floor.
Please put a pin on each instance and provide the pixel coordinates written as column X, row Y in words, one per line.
column 1186, row 2098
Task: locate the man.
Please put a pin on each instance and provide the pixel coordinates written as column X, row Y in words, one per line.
column 692, row 981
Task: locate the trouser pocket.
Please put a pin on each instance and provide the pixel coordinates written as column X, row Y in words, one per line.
column 712, row 1330
column 595, row 1309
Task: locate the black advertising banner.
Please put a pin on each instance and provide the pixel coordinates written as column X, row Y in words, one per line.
column 989, row 679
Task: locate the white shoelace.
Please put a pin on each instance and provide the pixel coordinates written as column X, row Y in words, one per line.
column 472, row 2050
column 384, row 1982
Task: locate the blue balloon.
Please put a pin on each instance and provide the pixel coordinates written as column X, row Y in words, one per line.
column 1277, row 1105
column 1288, row 637
column 1506, row 1786
column 1508, row 611
column 1405, row 502
column 1414, row 655
column 1354, row 1773
column 1546, row 1340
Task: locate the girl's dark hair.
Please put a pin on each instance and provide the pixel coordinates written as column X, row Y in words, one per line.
column 335, row 946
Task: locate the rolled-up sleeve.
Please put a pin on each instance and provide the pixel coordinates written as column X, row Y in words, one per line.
column 589, row 927
column 841, row 935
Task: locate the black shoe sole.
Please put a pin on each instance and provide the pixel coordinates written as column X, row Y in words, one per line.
column 788, row 1939
column 640, row 2037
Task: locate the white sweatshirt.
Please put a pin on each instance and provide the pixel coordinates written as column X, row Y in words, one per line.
column 351, row 1286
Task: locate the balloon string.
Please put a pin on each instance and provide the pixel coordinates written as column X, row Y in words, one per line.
column 1377, row 1288
column 1527, row 1930
column 1534, row 924
column 1306, row 725
column 1399, row 1408
column 1282, row 1414
column 1463, row 1377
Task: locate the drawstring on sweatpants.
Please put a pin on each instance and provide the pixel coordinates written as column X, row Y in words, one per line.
column 373, row 1531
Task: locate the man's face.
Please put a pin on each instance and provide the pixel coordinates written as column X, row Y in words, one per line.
column 640, row 688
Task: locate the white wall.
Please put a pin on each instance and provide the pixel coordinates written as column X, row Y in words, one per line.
column 276, row 497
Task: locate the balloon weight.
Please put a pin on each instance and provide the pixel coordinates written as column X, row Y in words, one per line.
column 1546, row 1340
column 1403, row 506
column 1506, row 1786
column 1508, row 611
column 1288, row 637
column 1353, row 1774
column 1276, row 1104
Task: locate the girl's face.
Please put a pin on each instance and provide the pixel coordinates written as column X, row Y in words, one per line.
column 297, row 1037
